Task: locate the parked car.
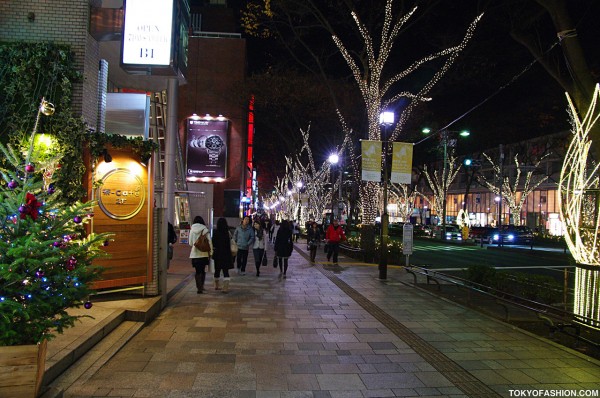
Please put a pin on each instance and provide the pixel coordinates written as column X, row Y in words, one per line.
column 479, row 234
column 511, row 234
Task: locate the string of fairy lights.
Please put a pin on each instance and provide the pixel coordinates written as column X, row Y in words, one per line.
column 513, row 190
column 373, row 89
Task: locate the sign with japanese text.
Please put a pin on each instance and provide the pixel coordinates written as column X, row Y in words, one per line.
column 371, row 160
column 402, row 163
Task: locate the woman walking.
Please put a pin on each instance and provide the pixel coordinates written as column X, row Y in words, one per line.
column 200, row 259
column 244, row 237
column 283, row 247
column 258, row 249
column 222, row 254
column 314, row 240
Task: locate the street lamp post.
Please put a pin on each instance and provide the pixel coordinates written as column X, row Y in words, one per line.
column 333, row 159
column 386, row 119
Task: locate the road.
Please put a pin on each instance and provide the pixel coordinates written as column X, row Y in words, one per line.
column 448, row 256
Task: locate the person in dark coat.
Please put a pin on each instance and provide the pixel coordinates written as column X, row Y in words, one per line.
column 284, row 247
column 222, row 254
column 314, row 240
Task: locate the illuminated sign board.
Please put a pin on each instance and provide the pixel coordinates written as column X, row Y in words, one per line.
column 206, row 149
column 147, row 32
column 121, row 195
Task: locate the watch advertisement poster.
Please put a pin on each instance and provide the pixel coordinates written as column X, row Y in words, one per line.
column 206, row 149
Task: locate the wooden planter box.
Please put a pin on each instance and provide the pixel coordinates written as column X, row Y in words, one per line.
column 22, row 370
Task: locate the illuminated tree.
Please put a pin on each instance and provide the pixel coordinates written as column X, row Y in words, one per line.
column 435, row 181
column 366, row 56
column 405, row 198
column 514, row 189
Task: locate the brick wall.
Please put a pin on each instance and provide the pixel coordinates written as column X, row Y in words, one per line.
column 62, row 22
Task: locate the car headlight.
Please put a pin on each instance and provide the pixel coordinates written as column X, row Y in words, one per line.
column 511, row 237
column 496, row 236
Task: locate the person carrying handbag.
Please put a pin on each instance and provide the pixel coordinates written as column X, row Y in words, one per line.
column 313, row 240
column 222, row 254
column 258, row 248
column 200, row 259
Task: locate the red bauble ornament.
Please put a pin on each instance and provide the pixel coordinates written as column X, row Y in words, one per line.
column 29, row 168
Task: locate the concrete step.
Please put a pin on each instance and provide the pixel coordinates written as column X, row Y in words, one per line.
column 86, row 366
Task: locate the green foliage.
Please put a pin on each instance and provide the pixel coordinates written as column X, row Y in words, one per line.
column 45, row 253
column 30, row 71
column 540, row 288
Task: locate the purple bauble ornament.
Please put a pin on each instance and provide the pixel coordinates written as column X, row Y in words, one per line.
column 87, row 305
column 12, row 184
column 29, row 168
column 50, row 190
column 106, row 242
column 23, row 209
column 77, row 219
column 39, row 274
column 57, row 244
column 70, row 267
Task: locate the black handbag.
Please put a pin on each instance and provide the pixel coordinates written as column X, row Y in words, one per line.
column 265, row 261
column 274, row 261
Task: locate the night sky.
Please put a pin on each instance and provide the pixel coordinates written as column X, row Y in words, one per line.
column 494, row 89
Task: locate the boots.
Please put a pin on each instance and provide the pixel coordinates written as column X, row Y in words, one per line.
column 200, row 282
column 226, row 285
column 217, row 282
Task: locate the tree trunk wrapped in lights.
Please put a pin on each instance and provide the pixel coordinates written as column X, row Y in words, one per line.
column 436, row 182
column 579, row 198
column 514, row 191
column 368, row 73
column 405, row 200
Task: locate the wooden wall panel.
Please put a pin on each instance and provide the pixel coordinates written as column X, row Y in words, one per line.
column 125, row 209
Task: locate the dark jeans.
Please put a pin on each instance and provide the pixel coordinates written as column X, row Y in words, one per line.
column 217, row 274
column 283, row 264
column 333, row 248
column 242, row 259
column 258, row 256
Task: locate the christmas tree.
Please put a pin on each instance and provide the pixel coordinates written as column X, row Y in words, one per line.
column 46, row 252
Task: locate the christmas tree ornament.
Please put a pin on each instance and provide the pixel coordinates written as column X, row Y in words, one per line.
column 39, row 273
column 23, row 209
column 77, row 219
column 87, row 305
column 57, row 244
column 70, row 267
column 73, row 261
column 50, row 189
column 106, row 242
column 29, row 168
column 47, row 108
column 12, row 184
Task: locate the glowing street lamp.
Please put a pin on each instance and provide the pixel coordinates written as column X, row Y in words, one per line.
column 386, row 119
column 333, row 159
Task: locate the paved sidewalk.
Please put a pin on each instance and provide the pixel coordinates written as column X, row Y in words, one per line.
column 328, row 331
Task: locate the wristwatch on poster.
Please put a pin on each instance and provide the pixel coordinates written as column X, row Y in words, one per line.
column 198, row 142
column 213, row 145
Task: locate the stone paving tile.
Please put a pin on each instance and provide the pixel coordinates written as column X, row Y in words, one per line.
column 307, row 337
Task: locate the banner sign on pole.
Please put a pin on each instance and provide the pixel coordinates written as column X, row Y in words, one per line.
column 371, row 160
column 402, row 163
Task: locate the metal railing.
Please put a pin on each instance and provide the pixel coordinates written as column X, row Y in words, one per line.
column 555, row 318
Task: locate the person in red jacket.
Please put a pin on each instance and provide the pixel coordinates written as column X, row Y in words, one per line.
column 334, row 235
